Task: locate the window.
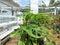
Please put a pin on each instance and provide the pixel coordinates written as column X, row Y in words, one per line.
column 4, row 11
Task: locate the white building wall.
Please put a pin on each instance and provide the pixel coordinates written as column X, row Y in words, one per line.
column 3, row 5
column 2, row 8
column 7, row 22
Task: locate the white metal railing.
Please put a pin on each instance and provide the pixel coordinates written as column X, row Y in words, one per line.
column 6, row 19
column 7, row 25
column 7, row 28
column 49, row 7
column 54, row 11
column 9, row 8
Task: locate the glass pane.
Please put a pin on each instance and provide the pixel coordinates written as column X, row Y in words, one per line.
column 7, row 19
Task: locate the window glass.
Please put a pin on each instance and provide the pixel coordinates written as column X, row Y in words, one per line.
column 4, row 11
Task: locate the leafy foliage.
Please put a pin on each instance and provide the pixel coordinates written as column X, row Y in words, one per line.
column 33, row 31
column 37, row 18
column 49, row 43
column 51, row 2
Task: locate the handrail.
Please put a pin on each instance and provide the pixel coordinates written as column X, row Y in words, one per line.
column 6, row 24
column 8, row 16
column 49, row 7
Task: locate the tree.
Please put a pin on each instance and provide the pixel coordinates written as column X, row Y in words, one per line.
column 51, row 2
column 43, row 5
column 57, row 3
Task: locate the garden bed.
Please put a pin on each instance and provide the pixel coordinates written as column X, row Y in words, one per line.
column 39, row 29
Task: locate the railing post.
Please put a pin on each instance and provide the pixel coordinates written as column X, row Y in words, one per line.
column 55, row 11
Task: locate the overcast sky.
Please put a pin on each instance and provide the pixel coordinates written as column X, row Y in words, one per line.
column 27, row 2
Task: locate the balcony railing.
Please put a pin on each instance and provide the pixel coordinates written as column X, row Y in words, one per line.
column 7, row 25
column 6, row 19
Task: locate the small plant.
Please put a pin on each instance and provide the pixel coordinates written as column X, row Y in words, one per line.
column 49, row 43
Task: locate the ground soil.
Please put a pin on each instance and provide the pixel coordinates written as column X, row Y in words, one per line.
column 55, row 37
column 12, row 41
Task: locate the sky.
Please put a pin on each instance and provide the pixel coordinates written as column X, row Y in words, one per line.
column 27, row 2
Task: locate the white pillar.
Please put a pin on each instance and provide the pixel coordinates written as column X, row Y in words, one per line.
column 34, row 6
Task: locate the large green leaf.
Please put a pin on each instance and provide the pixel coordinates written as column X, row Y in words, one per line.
column 21, row 43
column 30, row 29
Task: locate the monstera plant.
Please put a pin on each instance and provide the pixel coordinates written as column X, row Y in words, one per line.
column 33, row 32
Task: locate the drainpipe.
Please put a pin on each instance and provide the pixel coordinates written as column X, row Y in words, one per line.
column 34, row 6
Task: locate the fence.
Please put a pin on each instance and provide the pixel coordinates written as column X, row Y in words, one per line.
column 54, row 10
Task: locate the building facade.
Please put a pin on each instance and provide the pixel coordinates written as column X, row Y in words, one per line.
column 8, row 19
column 8, row 7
